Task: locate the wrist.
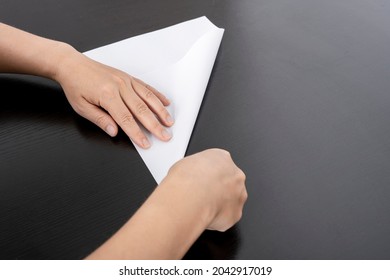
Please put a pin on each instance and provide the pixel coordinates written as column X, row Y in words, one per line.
column 58, row 60
column 189, row 199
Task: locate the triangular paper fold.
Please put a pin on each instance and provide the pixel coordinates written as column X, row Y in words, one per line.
column 176, row 60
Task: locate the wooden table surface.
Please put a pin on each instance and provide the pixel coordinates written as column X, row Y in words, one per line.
column 299, row 94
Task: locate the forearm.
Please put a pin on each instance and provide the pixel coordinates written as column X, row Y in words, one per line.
column 25, row 53
column 165, row 227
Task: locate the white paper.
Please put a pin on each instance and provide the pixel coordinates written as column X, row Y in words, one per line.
column 177, row 61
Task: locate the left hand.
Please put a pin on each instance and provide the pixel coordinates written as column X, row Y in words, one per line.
column 109, row 97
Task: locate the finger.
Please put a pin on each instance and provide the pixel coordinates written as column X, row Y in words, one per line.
column 154, row 103
column 244, row 197
column 164, row 100
column 125, row 119
column 100, row 118
column 142, row 112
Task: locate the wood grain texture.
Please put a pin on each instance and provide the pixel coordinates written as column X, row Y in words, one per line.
column 299, row 95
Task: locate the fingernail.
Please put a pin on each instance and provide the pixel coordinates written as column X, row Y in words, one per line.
column 166, row 134
column 170, row 120
column 145, row 143
column 110, row 130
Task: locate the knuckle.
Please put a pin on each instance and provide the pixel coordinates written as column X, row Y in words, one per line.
column 141, row 108
column 244, row 197
column 127, row 119
column 149, row 94
column 121, row 81
column 224, row 224
column 225, row 153
column 108, row 93
column 238, row 215
column 101, row 121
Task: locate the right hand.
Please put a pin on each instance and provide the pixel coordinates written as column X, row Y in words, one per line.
column 212, row 177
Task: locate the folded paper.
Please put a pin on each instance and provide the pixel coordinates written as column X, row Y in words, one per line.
column 177, row 61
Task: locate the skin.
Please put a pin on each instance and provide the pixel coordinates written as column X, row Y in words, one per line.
column 104, row 95
column 203, row 191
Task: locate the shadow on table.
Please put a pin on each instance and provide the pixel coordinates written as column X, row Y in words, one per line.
column 29, row 98
column 214, row 245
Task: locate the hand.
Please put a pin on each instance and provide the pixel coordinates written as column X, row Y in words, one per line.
column 212, row 177
column 202, row 191
column 109, row 97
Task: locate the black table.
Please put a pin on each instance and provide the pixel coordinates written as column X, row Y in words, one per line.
column 299, row 94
